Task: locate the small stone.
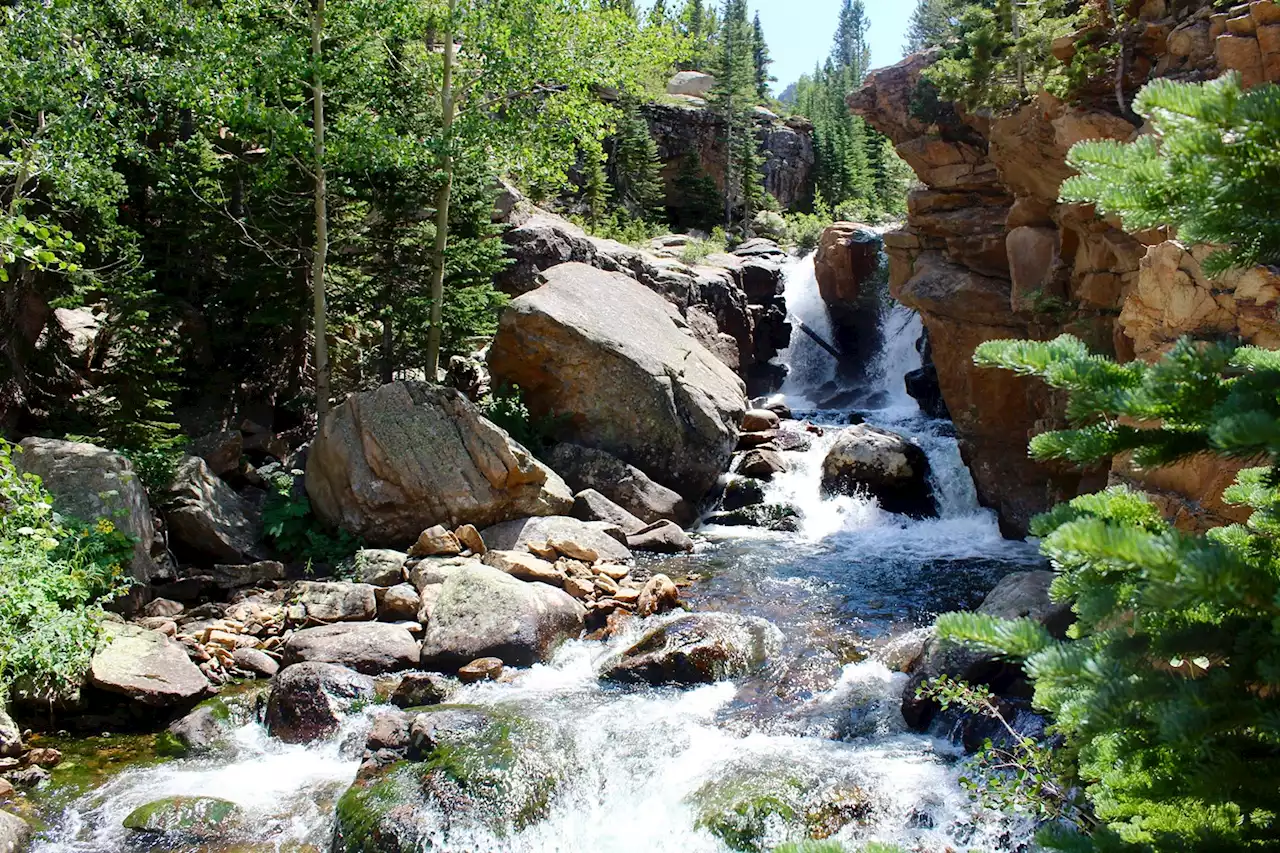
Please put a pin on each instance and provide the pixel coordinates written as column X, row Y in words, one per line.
column 44, row 756
column 606, row 585
column 398, row 603
column 756, row 420
column 163, row 624
column 470, row 539
column 422, row 688
column 614, row 571
column 221, row 639
column 573, row 550
column 163, row 607
column 659, row 595
column 575, row 568
column 761, row 464
column 390, row 730
column 436, row 541
column 255, row 661
column 6, row 789
column 481, row 669
column 526, row 567
column 626, row 595
column 542, row 550
column 579, row 587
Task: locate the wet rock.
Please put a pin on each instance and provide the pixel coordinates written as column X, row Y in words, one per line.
column 761, row 464
column 525, row 566
column 519, row 534
column 664, row 537
column 204, row 731
column 483, row 612
column 771, row 516
column 417, row 689
column 883, row 464
column 334, row 601
column 922, row 385
column 309, row 700
column 436, row 542
column 483, row 669
column 88, row 483
column 626, row 485
column 389, row 463
column 191, row 818
column 658, row 595
column 1025, row 595
column 208, row 520
column 14, row 833
column 590, row 505
column 255, row 661
column 390, row 730
column 376, row 566
column 603, row 349
column 28, row 777
column 399, row 603
column 696, row 648
column 756, row 420
column 905, row 652
column 741, row 492
column 145, row 666
column 368, row 647
column 793, row 439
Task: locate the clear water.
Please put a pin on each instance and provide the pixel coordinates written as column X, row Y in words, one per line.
column 824, row 706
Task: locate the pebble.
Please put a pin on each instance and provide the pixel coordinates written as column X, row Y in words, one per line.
column 481, row 669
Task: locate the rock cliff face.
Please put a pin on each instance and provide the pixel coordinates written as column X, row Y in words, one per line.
column 988, row 252
column 681, row 130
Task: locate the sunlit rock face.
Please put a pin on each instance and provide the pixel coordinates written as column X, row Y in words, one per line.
column 989, row 252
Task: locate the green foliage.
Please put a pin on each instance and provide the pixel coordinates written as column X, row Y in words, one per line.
column 506, row 408
column 636, row 167
column 998, row 51
column 733, row 100
column 760, row 59
column 292, row 528
column 1212, row 168
column 931, row 25
column 700, row 204
column 804, row 230
column 696, row 250
column 56, row 573
column 1168, row 690
column 1016, row 774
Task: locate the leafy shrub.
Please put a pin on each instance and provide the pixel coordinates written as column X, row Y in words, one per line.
column 506, row 408
column 769, row 224
column 1212, row 168
column 804, row 230
column 618, row 225
column 1168, row 690
column 55, row 573
column 292, row 528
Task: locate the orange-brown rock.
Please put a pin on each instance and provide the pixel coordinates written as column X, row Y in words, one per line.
column 848, row 254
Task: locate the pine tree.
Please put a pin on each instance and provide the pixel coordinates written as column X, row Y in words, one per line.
column 851, row 51
column 1168, row 693
column 762, row 60
column 637, row 169
column 733, row 100
column 931, row 24
column 1212, row 167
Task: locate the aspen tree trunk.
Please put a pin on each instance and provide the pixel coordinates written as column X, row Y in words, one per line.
column 442, row 202
column 321, row 249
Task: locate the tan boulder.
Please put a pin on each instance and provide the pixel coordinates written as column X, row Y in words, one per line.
column 847, row 256
column 391, row 462
column 436, row 541
column 525, row 566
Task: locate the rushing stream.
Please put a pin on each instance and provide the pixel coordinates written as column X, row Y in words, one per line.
column 824, row 708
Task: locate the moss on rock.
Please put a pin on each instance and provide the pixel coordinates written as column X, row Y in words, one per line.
column 189, row 817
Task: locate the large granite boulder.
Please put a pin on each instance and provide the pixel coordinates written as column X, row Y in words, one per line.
column 14, row 833
column 207, row 520
column 369, row 647
column 696, row 83
column 88, row 483
column 602, row 354
column 145, row 666
column 309, row 700
column 883, row 464
column 484, row 612
column 626, row 485
column 597, row 536
column 389, row 463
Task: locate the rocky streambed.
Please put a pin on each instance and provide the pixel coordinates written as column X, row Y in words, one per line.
column 730, row 691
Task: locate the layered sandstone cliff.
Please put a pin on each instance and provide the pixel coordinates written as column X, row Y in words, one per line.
column 989, row 252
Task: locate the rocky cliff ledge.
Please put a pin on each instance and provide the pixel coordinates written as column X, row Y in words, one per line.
column 988, row 252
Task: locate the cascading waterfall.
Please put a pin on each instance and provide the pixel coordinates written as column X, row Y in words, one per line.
column 634, row 761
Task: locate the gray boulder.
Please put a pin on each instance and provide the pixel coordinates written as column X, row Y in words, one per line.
column 696, row 648
column 309, row 700
column 333, row 601
column 626, row 485
column 603, row 352
column 665, row 537
column 255, row 661
column 204, row 731
column 389, row 463
column 14, row 833
column 88, row 483
column 246, row 574
column 590, row 505
column 368, row 647
column 379, row 566
column 883, row 464
column 208, row 520
column 595, row 535
column 695, row 83
column 483, row 612
column 417, row 689
column 145, row 666
column 398, row 603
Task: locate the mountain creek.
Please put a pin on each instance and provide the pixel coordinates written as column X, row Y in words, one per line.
column 809, row 743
